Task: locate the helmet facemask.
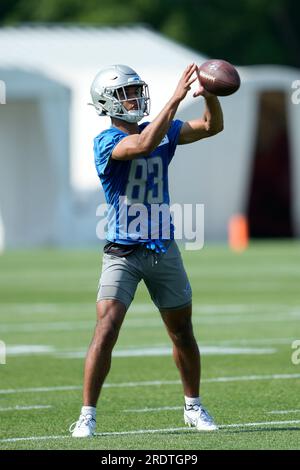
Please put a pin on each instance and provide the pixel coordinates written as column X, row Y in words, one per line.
column 119, row 96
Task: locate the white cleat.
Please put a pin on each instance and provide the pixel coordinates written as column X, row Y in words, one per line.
column 197, row 416
column 84, row 427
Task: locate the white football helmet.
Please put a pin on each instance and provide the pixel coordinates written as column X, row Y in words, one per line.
column 108, row 92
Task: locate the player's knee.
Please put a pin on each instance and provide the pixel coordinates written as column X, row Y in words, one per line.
column 183, row 337
column 108, row 325
column 106, row 334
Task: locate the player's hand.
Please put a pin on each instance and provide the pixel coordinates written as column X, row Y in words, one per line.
column 185, row 82
column 201, row 90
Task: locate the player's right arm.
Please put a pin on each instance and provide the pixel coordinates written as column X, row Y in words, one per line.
column 135, row 145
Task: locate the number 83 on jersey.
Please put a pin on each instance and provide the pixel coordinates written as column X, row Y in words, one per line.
column 145, row 181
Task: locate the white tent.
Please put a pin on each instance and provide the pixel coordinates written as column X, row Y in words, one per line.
column 49, row 189
column 34, row 160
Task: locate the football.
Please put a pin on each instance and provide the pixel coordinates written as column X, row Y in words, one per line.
column 219, row 77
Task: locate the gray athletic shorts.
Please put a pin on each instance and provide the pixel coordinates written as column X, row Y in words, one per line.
column 163, row 274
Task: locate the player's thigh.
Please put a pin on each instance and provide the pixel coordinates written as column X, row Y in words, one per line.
column 110, row 315
column 119, row 280
column 167, row 281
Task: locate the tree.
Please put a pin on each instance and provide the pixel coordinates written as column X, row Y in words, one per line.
column 248, row 32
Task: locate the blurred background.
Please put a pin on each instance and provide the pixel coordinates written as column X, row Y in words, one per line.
column 50, row 51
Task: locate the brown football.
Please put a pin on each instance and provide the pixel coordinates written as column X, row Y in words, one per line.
column 219, row 77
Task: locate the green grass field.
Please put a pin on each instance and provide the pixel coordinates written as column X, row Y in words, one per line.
column 246, row 316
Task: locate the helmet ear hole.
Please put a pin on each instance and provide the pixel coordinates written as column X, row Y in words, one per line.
column 102, row 109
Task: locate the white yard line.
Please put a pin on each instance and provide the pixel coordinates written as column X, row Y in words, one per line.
column 9, row 391
column 32, row 438
column 25, row 408
column 173, row 408
column 282, row 412
column 254, row 341
column 140, row 308
column 148, row 410
column 43, row 308
column 29, row 349
column 239, row 378
column 152, row 431
column 49, row 326
column 264, row 423
column 167, row 351
column 57, row 307
column 155, row 322
column 36, row 349
column 246, row 378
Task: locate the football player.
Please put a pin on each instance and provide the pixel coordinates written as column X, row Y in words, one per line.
column 132, row 162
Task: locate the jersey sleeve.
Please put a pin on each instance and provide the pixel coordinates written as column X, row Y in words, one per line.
column 173, row 136
column 103, row 148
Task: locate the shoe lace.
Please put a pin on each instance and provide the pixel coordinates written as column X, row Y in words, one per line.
column 192, row 407
column 203, row 414
column 83, row 419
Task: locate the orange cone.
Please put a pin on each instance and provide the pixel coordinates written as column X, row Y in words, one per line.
column 238, row 233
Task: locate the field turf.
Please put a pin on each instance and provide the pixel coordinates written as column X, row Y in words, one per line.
column 246, row 318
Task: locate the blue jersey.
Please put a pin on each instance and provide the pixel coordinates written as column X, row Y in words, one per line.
column 136, row 191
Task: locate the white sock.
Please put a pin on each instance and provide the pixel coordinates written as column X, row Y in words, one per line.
column 192, row 401
column 89, row 410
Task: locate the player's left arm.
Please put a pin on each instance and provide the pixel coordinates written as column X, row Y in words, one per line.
column 210, row 124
